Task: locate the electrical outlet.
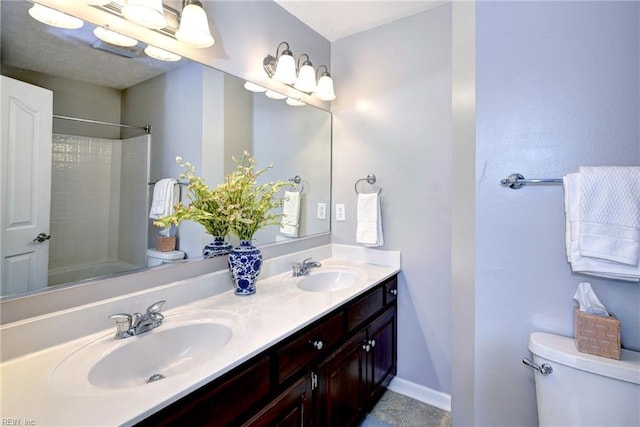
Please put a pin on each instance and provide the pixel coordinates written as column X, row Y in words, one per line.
column 340, row 212
column 322, row 211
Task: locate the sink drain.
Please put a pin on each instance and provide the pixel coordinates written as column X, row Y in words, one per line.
column 155, row 377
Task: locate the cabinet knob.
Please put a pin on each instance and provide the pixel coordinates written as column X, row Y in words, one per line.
column 317, row 344
column 372, row 343
column 366, row 347
column 393, row 292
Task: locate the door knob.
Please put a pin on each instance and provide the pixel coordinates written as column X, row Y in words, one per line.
column 41, row 238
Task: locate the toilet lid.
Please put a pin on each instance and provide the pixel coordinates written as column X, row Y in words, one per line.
column 562, row 350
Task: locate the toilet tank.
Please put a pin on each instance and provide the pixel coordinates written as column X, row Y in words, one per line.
column 584, row 389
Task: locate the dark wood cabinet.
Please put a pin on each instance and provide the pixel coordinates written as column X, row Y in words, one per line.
column 328, row 374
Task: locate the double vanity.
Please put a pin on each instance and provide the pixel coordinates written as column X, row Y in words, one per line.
column 317, row 348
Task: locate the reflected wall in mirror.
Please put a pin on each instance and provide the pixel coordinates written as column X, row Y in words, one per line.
column 99, row 206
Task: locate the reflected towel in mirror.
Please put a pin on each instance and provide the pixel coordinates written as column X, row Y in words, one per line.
column 290, row 214
column 165, row 196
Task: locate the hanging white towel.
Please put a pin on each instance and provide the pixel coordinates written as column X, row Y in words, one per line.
column 165, row 197
column 369, row 220
column 579, row 262
column 290, row 214
column 610, row 213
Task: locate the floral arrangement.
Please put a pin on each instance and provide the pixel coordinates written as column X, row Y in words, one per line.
column 239, row 205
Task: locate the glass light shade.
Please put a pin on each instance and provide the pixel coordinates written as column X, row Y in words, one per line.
column 160, row 54
column 306, row 81
column 275, row 95
column 325, row 89
column 294, row 102
column 254, row 87
column 54, row 18
column 112, row 37
column 148, row 13
column 285, row 70
column 194, row 27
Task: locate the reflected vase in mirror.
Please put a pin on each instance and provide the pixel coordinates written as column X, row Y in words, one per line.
column 216, row 248
column 245, row 263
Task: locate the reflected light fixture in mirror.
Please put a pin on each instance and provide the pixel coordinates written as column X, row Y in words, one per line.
column 295, row 102
column 54, row 18
column 96, row 2
column 147, row 13
column 194, row 25
column 254, row 87
column 306, row 81
column 161, row 54
column 109, row 36
column 275, row 95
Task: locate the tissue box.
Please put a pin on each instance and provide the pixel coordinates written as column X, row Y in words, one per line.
column 165, row 244
column 597, row 335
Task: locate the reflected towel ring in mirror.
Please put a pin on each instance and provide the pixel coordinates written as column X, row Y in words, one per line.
column 298, row 181
column 371, row 179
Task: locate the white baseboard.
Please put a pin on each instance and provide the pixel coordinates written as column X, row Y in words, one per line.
column 423, row 394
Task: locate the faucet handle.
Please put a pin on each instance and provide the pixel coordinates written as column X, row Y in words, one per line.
column 123, row 321
column 156, row 307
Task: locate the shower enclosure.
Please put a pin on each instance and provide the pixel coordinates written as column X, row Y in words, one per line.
column 99, row 206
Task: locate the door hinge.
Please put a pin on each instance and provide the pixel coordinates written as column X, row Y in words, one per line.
column 314, row 381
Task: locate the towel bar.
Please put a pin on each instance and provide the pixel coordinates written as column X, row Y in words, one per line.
column 516, row 181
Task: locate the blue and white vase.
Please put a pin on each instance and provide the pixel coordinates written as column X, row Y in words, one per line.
column 216, row 248
column 245, row 263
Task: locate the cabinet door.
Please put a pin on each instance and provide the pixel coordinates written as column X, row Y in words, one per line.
column 381, row 367
column 292, row 408
column 340, row 379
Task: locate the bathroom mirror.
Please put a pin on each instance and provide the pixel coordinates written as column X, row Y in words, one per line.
column 106, row 86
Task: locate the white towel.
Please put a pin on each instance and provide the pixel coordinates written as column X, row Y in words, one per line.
column 579, row 262
column 610, row 213
column 369, row 220
column 290, row 214
column 165, row 197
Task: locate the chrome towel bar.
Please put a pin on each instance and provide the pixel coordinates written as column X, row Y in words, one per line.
column 516, row 181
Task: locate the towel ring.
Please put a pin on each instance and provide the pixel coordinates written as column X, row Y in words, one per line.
column 371, row 179
column 298, row 181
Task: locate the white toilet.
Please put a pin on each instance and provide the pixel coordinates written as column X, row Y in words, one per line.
column 583, row 389
column 155, row 257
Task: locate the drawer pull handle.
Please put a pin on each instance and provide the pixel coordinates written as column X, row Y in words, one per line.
column 372, row 343
column 317, row 344
column 393, row 292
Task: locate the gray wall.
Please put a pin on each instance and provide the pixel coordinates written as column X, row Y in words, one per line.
column 392, row 118
column 557, row 87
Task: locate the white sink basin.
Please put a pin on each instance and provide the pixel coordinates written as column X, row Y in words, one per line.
column 329, row 280
column 180, row 344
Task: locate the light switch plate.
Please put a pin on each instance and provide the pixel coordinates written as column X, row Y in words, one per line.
column 322, row 211
column 340, row 212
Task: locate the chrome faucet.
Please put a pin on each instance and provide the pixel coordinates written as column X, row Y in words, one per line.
column 303, row 268
column 128, row 325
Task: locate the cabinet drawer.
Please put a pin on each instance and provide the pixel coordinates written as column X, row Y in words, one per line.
column 365, row 307
column 391, row 290
column 308, row 346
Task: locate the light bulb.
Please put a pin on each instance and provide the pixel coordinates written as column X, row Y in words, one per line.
column 325, row 88
column 306, row 81
column 148, row 13
column 286, row 69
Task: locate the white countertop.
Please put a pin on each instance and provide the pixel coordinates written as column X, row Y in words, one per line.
column 32, row 396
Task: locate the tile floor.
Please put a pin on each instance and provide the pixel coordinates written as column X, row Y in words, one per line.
column 396, row 410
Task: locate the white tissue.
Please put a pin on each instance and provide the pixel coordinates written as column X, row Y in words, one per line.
column 588, row 300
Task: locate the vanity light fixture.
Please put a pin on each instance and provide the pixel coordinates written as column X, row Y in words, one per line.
column 325, row 90
column 194, row 25
column 54, row 18
column 112, row 37
column 161, row 54
column 306, row 81
column 147, row 13
column 282, row 67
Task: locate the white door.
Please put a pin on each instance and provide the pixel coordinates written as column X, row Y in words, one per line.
column 26, row 114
